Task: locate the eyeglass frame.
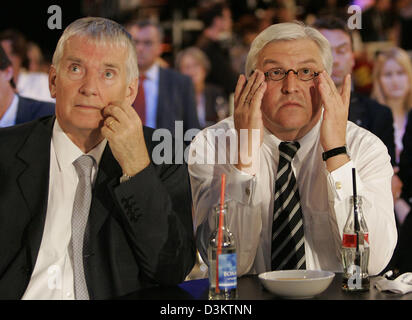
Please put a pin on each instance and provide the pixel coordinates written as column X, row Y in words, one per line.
column 286, row 74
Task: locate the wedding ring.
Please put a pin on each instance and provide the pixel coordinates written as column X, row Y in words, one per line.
column 110, row 124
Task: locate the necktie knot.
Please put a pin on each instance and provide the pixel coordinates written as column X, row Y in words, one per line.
column 288, row 150
column 84, row 165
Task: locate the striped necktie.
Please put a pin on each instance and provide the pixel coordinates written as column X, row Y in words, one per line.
column 288, row 242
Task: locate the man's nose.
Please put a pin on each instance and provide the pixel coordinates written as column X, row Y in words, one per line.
column 290, row 83
column 89, row 86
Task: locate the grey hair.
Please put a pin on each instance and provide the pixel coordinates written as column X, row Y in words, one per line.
column 285, row 32
column 102, row 31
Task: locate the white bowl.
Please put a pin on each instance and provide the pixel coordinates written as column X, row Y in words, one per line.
column 296, row 284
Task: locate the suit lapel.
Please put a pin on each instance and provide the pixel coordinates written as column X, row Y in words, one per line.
column 102, row 203
column 34, row 181
column 22, row 111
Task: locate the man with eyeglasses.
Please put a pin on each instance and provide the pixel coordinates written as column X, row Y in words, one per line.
column 289, row 178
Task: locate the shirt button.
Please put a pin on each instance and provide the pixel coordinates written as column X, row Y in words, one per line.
column 68, row 294
column 338, row 185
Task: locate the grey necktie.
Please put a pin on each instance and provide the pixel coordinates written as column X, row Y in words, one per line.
column 288, row 241
column 81, row 208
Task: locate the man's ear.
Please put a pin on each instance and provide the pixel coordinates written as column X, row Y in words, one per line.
column 52, row 81
column 132, row 91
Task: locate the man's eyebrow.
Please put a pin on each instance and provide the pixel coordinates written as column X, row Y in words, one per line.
column 342, row 45
column 74, row 59
column 271, row 61
column 111, row 65
column 106, row 64
column 308, row 61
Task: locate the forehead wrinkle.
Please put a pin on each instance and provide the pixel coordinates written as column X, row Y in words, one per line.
column 306, row 61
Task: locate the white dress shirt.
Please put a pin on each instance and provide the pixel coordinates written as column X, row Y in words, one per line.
column 151, row 94
column 34, row 85
column 9, row 117
column 52, row 277
column 324, row 198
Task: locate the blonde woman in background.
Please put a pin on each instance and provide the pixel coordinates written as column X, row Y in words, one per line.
column 392, row 86
column 392, row 81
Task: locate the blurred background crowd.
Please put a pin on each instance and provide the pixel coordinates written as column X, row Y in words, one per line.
column 207, row 42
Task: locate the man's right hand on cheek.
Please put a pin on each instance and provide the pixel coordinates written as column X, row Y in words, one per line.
column 248, row 118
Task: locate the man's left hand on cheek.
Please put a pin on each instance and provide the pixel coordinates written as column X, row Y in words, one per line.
column 123, row 129
column 335, row 113
column 335, row 118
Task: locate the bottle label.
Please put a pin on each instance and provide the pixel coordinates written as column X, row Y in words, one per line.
column 349, row 240
column 227, row 271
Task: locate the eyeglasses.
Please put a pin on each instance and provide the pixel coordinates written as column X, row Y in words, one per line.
column 304, row 74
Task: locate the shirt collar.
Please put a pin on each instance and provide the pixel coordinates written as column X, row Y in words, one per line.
column 306, row 142
column 9, row 117
column 67, row 152
column 153, row 72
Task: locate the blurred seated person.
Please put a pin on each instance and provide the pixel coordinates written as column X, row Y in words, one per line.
column 164, row 95
column 392, row 81
column 211, row 100
column 33, row 85
column 379, row 22
column 37, row 62
column 15, row 109
column 217, row 22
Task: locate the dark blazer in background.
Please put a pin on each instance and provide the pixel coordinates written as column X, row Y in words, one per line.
column 176, row 101
column 140, row 231
column 402, row 257
column 29, row 109
column 378, row 119
column 405, row 162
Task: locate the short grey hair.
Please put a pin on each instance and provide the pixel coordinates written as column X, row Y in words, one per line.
column 102, row 31
column 285, row 32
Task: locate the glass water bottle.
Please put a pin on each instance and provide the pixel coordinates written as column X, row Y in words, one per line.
column 226, row 275
column 355, row 249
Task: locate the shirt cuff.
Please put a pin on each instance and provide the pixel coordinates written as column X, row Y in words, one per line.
column 241, row 186
column 341, row 184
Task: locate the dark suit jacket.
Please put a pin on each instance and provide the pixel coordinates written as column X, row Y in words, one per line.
column 29, row 109
column 176, row 101
column 405, row 162
column 140, row 231
column 378, row 119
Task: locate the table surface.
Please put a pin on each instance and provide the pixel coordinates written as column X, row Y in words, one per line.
column 250, row 288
